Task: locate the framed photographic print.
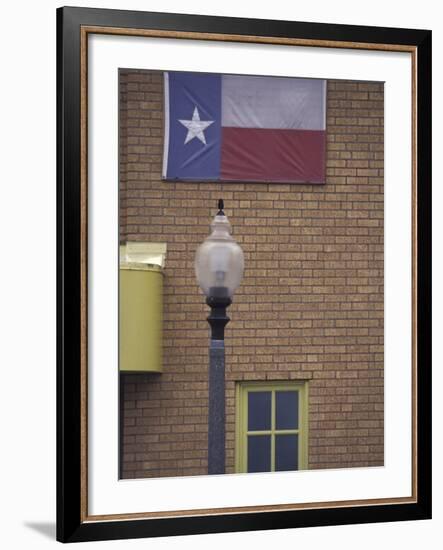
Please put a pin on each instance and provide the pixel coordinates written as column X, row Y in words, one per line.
column 244, row 274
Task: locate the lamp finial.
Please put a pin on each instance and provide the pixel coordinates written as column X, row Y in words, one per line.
column 220, row 207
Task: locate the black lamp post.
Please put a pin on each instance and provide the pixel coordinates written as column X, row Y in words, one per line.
column 219, row 265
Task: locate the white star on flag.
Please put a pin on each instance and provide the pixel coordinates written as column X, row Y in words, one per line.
column 195, row 127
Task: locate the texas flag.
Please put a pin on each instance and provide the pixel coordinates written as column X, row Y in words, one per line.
column 244, row 128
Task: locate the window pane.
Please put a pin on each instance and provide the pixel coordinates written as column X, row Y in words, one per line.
column 286, row 452
column 286, row 413
column 259, row 410
column 259, row 453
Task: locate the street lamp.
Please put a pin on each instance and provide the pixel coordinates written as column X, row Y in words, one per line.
column 219, row 265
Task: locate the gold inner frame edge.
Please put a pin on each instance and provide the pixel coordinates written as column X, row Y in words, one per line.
column 85, row 30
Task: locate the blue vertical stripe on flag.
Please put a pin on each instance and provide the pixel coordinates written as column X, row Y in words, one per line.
column 193, row 126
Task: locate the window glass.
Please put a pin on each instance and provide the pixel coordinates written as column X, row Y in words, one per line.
column 259, row 410
column 259, row 453
column 286, row 413
column 286, row 452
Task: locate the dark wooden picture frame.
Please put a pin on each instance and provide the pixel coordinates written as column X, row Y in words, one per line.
column 73, row 26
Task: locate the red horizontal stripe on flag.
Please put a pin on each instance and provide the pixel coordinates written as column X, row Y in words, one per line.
column 261, row 154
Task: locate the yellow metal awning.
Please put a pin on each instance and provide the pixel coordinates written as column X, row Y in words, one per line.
column 141, row 306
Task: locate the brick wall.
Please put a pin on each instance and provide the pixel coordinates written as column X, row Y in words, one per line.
column 311, row 303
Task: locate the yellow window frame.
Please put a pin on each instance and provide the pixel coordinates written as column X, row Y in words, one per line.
column 241, row 428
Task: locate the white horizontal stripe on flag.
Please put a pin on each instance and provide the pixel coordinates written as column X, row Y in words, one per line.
column 166, row 125
column 273, row 102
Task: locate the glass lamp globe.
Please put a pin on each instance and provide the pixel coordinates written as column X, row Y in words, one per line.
column 219, row 261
